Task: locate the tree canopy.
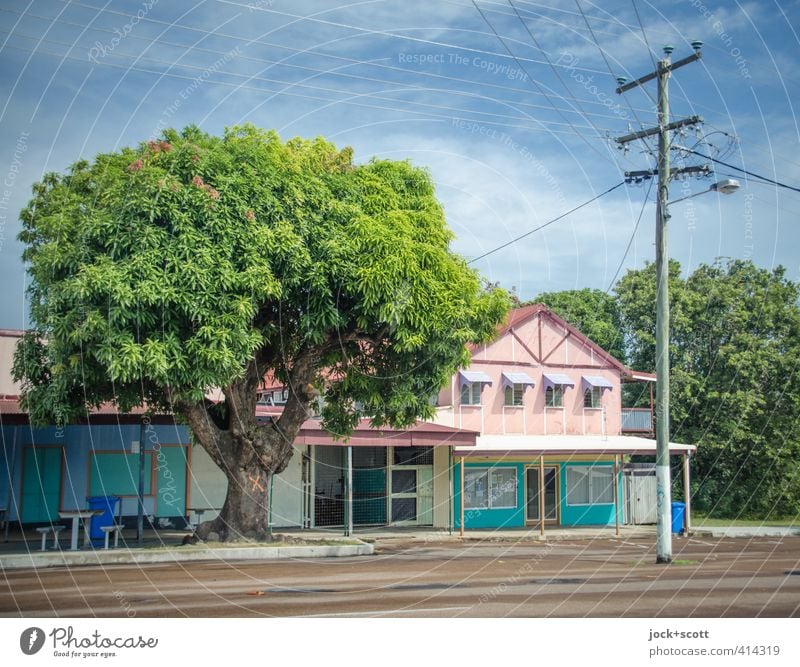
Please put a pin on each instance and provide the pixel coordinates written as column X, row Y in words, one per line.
column 196, row 262
column 735, row 390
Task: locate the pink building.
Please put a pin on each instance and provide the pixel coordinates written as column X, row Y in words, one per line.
column 547, row 403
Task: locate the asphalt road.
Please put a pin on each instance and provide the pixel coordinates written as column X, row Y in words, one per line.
column 617, row 578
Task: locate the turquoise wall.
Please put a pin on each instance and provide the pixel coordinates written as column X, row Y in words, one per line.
column 80, row 442
column 588, row 515
column 571, row 515
column 491, row 518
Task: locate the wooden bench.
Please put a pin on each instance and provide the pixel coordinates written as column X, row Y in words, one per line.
column 45, row 531
column 116, row 529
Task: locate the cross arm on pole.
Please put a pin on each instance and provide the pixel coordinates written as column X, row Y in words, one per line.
column 644, row 174
column 674, row 125
column 663, row 67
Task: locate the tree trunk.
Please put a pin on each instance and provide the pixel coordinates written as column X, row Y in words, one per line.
column 248, row 452
column 245, row 514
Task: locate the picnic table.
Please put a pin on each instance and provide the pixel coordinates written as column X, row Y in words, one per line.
column 77, row 516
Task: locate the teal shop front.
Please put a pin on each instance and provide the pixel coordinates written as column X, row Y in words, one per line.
column 516, row 481
column 502, row 493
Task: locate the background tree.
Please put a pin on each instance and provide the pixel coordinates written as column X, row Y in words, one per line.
column 593, row 312
column 197, row 262
column 735, row 391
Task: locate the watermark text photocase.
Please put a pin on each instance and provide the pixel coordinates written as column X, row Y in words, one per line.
column 570, row 63
column 100, row 50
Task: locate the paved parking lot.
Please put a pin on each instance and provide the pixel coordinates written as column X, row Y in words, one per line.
column 600, row 577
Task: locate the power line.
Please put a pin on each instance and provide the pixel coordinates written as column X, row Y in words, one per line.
column 384, row 33
column 644, row 34
column 610, row 70
column 555, row 71
column 744, row 171
column 546, row 224
column 349, row 100
column 532, row 80
column 633, row 235
column 539, row 16
column 407, row 86
column 304, row 67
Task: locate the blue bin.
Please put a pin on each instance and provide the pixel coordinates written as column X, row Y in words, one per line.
column 108, row 504
column 678, row 515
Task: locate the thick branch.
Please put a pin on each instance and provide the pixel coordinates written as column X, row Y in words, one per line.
column 301, row 394
column 214, row 440
column 241, row 395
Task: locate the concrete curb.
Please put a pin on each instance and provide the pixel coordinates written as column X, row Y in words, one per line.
column 123, row 556
column 746, row 531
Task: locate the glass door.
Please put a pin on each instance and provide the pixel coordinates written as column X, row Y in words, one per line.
column 550, row 494
column 411, row 490
column 404, row 495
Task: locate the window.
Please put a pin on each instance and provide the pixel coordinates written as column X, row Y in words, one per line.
column 490, row 488
column 471, row 393
column 369, row 458
column 587, row 485
column 404, row 481
column 476, row 488
column 554, row 396
column 277, row 397
column 514, row 394
column 593, row 397
column 413, row 456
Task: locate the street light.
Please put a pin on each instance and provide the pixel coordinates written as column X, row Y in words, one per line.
column 663, row 476
column 726, row 186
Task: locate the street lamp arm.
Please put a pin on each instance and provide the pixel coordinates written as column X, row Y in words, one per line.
column 726, row 187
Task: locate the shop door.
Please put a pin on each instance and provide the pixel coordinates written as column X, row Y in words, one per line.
column 550, row 494
column 411, row 495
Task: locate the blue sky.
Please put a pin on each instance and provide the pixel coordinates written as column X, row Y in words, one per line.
column 510, row 106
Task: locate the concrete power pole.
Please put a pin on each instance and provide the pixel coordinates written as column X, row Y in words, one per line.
column 663, row 482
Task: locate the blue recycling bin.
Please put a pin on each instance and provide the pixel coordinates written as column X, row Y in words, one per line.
column 108, row 504
column 678, row 514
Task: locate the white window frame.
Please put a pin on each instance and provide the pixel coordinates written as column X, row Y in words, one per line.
column 558, row 390
column 596, row 400
column 594, row 472
column 471, row 388
column 487, row 472
column 517, row 392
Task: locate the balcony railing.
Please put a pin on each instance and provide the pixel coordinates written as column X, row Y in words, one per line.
column 637, row 420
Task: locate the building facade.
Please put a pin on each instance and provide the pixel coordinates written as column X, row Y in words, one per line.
column 531, row 433
column 547, row 403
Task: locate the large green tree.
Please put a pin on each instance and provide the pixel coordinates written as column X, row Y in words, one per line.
column 735, row 378
column 593, row 312
column 195, row 262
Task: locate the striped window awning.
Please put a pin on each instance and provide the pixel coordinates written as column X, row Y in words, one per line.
column 553, row 379
column 517, row 378
column 465, row 377
column 597, row 381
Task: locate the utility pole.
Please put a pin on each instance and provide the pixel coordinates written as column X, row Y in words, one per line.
column 663, row 482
